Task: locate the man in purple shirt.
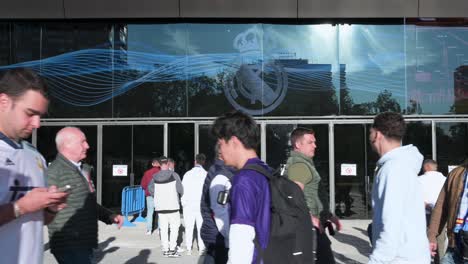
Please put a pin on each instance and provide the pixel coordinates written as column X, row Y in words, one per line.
column 238, row 138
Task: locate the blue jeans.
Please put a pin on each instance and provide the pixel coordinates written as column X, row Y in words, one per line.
column 75, row 256
column 149, row 213
column 452, row 257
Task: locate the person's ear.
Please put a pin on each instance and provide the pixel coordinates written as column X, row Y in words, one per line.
column 5, row 101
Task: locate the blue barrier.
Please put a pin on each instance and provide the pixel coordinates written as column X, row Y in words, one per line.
column 133, row 202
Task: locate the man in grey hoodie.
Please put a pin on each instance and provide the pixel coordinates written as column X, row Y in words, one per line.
column 166, row 187
column 399, row 224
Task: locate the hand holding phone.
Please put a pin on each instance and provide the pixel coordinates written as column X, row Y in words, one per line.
column 66, row 188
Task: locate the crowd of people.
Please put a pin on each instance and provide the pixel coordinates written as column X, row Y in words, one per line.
column 236, row 206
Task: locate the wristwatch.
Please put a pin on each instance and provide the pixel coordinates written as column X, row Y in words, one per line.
column 16, row 210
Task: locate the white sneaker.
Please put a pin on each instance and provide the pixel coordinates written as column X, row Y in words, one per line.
column 148, row 233
column 189, row 252
column 180, row 249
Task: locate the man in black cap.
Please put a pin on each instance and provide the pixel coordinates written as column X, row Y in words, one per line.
column 166, row 187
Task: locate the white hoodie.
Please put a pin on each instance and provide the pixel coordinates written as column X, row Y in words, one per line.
column 399, row 224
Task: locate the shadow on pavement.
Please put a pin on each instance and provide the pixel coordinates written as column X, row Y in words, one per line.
column 142, row 258
column 103, row 250
column 362, row 246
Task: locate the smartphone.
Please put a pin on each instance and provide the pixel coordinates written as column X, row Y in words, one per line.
column 65, row 188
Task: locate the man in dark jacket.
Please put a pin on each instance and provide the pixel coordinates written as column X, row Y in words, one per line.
column 215, row 227
column 301, row 169
column 74, row 232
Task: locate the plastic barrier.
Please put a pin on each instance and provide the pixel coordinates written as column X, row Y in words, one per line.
column 133, row 202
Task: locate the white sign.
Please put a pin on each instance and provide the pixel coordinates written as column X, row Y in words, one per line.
column 119, row 170
column 451, row 167
column 348, row 169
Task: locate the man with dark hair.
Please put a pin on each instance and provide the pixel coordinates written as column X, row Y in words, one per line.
column 26, row 203
column 398, row 228
column 193, row 185
column 73, row 235
column 432, row 182
column 166, row 187
column 451, row 211
column 300, row 168
column 215, row 228
column 238, row 138
column 147, row 176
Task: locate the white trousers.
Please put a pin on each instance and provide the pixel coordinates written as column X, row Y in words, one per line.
column 191, row 216
column 169, row 222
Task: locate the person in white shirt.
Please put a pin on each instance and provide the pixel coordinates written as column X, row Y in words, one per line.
column 193, row 181
column 26, row 204
column 432, row 182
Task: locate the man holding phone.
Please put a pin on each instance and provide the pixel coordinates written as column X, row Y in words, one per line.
column 25, row 203
column 74, row 232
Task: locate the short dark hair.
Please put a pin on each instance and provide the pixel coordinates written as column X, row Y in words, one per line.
column 200, row 159
column 163, row 160
column 298, row 133
column 155, row 159
column 237, row 124
column 15, row 82
column 429, row 161
column 391, row 124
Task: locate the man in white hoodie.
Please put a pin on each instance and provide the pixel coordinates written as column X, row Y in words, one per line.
column 193, row 181
column 399, row 225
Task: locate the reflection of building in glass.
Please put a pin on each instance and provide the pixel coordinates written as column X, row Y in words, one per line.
column 460, row 79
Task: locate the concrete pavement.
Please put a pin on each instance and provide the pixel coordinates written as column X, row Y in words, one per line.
column 130, row 245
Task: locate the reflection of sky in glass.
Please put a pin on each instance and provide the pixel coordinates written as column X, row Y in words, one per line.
column 412, row 62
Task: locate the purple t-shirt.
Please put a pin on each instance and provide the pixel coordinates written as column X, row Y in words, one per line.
column 250, row 202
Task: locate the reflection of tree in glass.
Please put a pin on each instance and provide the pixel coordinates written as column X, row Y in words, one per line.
column 384, row 102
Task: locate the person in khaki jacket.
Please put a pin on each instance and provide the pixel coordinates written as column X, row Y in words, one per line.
column 446, row 212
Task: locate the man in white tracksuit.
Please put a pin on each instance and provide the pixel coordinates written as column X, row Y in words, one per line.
column 193, row 181
column 399, row 224
column 166, row 187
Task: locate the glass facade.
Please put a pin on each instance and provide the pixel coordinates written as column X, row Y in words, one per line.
column 176, row 70
column 142, row 89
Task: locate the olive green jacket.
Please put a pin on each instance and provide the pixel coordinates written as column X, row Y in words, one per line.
column 76, row 225
column 300, row 168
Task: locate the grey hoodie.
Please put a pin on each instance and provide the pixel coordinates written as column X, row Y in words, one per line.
column 164, row 176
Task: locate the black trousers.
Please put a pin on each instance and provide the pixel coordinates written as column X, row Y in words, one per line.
column 324, row 251
column 216, row 253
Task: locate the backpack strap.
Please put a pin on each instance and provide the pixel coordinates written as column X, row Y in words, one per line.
column 260, row 169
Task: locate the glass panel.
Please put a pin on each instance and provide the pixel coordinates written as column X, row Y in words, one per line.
column 351, row 198
column 420, row 135
column 278, row 144
column 374, row 60
column 452, row 144
column 182, row 146
column 47, row 147
column 153, row 72
column 206, row 143
column 148, row 143
column 117, row 150
column 437, row 59
column 5, row 42
column 77, row 61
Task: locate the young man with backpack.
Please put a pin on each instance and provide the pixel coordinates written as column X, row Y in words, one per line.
column 267, row 211
column 300, row 168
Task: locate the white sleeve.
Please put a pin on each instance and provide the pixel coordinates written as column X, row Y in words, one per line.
column 241, row 245
column 221, row 212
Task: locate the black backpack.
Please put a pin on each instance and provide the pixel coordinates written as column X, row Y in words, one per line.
column 292, row 235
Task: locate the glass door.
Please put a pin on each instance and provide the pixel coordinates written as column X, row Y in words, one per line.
column 354, row 166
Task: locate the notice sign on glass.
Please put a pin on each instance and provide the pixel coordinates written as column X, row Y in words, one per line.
column 348, row 169
column 119, row 170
